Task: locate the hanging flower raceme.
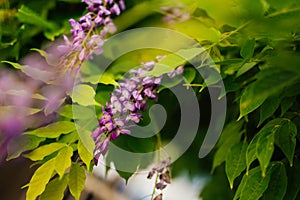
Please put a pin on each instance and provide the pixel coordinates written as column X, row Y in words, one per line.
column 87, row 40
column 162, row 172
column 125, row 106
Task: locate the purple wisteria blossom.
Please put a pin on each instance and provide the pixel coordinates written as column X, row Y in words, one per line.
column 123, row 109
column 125, row 106
column 87, row 40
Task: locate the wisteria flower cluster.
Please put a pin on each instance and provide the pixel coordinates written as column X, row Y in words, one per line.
column 163, row 176
column 125, row 106
column 86, row 40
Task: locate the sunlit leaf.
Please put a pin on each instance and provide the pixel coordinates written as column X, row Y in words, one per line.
column 84, row 95
column 174, row 60
column 55, row 189
column 43, row 151
column 76, row 180
column 15, row 65
column 232, row 12
column 53, row 130
column 68, row 138
column 63, row 160
column 76, row 111
column 84, row 154
column 108, row 78
column 40, row 179
column 198, row 30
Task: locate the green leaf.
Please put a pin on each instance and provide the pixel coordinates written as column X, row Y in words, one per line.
column 291, row 58
column 66, row 111
column 278, row 183
column 245, row 67
column 268, row 108
column 251, row 152
column 63, row 160
column 26, row 15
column 135, row 14
column 169, row 82
column 84, row 154
column 280, row 4
column 230, row 129
column 236, row 162
column 21, row 144
column 232, row 12
column 285, row 137
column 84, row 95
column 55, row 189
column 253, row 186
column 161, row 68
column 32, row 72
column 43, row 151
column 40, row 179
column 69, row 138
column 125, row 175
column 76, row 180
column 76, row 112
column 48, row 57
column 265, row 147
column 189, row 75
column 51, row 34
column 286, row 104
column 53, row 130
column 174, row 60
column 108, row 78
column 230, row 136
column 214, row 189
column 247, row 49
column 197, row 30
column 262, row 145
column 256, row 93
column 293, row 186
column 15, row 65
column 230, row 61
column 84, row 132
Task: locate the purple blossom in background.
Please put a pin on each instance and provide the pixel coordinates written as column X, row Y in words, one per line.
column 86, row 39
column 31, row 101
column 19, row 109
column 125, row 106
column 175, row 15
